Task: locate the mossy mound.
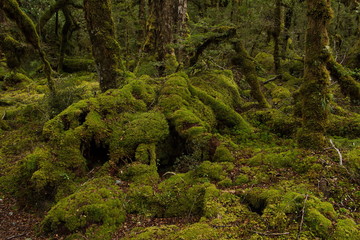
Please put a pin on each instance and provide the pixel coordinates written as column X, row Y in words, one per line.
column 96, row 209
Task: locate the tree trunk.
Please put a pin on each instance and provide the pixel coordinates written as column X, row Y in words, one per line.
column 314, row 90
column 278, row 25
column 160, row 31
column 180, row 17
column 27, row 27
column 248, row 68
column 64, row 36
column 105, row 48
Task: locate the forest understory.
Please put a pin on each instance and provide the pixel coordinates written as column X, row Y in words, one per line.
column 196, row 119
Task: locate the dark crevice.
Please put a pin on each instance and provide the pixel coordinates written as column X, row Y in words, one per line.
column 169, row 151
column 96, row 154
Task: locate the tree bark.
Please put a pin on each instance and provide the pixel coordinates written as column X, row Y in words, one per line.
column 64, row 36
column 248, row 68
column 314, row 90
column 105, row 48
column 278, row 25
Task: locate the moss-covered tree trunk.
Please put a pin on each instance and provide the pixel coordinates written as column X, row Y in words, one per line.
column 278, row 25
column 248, row 68
column 160, row 31
column 289, row 13
column 180, row 18
column 314, row 90
column 105, row 48
column 349, row 86
column 64, row 36
column 27, row 27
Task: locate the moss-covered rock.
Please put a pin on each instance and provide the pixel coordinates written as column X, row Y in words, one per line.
column 96, row 208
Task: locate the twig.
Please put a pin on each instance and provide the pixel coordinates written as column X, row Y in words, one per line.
column 15, row 236
column 302, row 217
column 272, row 79
column 338, row 151
column 271, row 234
column 3, row 116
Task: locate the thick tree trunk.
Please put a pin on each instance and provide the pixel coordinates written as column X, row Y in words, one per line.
column 248, row 68
column 27, row 27
column 160, row 31
column 314, row 90
column 105, row 49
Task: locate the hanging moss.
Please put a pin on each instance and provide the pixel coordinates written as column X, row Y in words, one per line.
column 13, row 49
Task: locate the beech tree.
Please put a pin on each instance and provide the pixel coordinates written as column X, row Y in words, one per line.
column 105, row 48
column 315, row 88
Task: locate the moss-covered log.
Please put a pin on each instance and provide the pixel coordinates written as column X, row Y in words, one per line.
column 105, row 48
column 314, row 90
column 247, row 66
column 348, row 85
column 26, row 25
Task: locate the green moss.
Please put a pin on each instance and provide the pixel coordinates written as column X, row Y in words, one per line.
column 318, row 223
column 223, row 154
column 141, row 174
column 135, row 129
column 266, row 60
column 197, row 231
column 97, row 202
column 145, row 153
column 71, row 65
column 211, row 171
column 161, row 232
column 16, row 81
column 241, row 179
column 346, row 229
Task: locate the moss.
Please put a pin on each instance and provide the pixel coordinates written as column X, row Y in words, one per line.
column 135, row 129
column 211, row 171
column 143, row 200
column 106, row 50
column 346, row 229
column 349, row 86
column 72, row 65
column 226, row 182
column 223, row 154
column 197, row 231
column 97, row 202
column 318, row 223
column 145, row 153
column 266, row 60
column 241, row 179
column 161, row 232
column 141, row 174
column 353, row 161
column 16, row 81
column 181, row 194
column 243, row 61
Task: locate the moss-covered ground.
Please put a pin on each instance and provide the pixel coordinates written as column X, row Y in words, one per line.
column 185, row 155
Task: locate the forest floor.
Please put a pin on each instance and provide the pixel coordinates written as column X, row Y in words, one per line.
column 15, row 223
